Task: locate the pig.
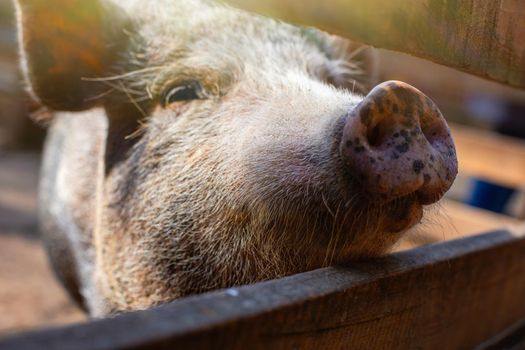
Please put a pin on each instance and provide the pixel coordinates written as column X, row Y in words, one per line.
column 193, row 146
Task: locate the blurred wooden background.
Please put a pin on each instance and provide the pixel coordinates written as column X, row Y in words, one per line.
column 17, row 131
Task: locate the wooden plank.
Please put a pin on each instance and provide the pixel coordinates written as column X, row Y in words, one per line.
column 484, row 154
column 482, row 37
column 450, row 295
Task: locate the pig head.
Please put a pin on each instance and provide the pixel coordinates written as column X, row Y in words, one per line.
column 194, row 146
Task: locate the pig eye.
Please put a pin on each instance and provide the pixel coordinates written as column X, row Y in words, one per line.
column 186, row 92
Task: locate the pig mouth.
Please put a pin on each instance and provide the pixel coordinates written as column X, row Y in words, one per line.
column 406, row 211
column 394, row 214
column 402, row 213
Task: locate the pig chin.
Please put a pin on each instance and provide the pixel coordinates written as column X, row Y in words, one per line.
column 391, row 217
column 403, row 214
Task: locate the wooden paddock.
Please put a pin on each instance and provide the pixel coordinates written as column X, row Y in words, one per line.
column 463, row 293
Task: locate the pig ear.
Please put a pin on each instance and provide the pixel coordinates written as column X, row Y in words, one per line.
column 63, row 42
column 360, row 74
column 367, row 59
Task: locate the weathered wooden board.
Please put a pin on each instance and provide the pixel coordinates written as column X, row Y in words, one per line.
column 495, row 157
column 482, row 37
column 446, row 296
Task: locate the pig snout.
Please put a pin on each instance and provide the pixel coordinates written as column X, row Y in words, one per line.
column 396, row 142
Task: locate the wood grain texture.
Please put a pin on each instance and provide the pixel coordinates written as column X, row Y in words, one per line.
column 498, row 158
column 482, row 37
column 446, row 296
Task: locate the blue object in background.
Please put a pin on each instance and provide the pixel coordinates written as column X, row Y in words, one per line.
column 508, row 118
column 489, row 196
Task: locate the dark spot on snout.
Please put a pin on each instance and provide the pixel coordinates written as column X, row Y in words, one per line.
column 366, row 114
column 403, row 148
column 406, row 136
column 427, row 178
column 429, row 105
column 379, row 99
column 348, row 143
column 359, row 149
column 393, row 85
column 417, row 166
column 395, row 108
column 411, row 100
column 420, row 105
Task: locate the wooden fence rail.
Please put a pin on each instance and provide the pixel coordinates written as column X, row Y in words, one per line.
column 450, row 295
column 482, row 37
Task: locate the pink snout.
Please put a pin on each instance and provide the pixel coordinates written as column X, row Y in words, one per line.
column 396, row 143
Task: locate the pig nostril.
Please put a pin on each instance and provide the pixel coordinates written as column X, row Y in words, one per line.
column 378, row 134
column 374, row 136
